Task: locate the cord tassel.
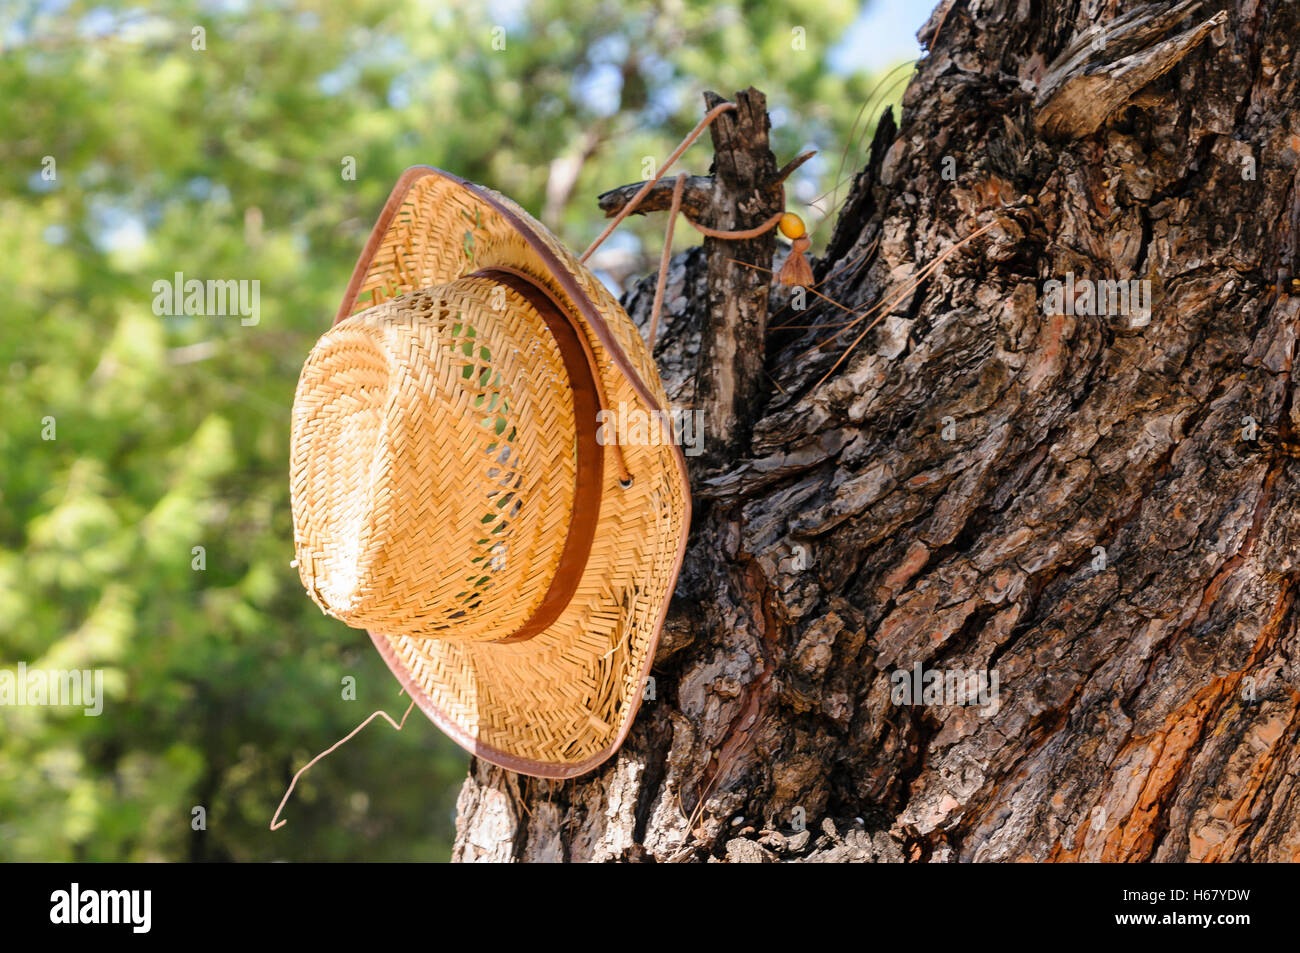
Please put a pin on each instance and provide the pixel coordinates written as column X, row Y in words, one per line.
column 796, row 270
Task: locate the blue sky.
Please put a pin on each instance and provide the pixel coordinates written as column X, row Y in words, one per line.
column 883, row 34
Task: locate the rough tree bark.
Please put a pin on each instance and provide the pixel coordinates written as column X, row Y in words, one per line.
column 1070, row 500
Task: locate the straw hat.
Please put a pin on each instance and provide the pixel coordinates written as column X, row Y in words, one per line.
column 451, row 495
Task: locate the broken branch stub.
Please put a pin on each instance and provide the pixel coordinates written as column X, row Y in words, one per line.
column 746, row 193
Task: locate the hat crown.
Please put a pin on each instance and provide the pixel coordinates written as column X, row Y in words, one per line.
column 433, row 463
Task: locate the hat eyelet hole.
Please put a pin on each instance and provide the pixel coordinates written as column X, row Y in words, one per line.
column 627, row 484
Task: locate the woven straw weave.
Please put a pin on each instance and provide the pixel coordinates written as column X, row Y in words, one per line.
column 433, row 473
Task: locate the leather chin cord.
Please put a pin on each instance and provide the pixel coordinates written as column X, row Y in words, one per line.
column 795, row 271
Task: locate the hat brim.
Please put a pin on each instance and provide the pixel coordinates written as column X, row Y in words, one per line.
column 562, row 702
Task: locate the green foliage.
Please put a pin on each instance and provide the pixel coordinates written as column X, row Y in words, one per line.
column 172, row 432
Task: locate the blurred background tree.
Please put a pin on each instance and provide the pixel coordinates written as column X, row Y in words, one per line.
column 215, row 140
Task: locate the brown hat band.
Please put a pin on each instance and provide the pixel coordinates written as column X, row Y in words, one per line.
column 579, row 364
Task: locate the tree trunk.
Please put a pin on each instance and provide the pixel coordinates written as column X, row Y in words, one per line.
column 1099, row 510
